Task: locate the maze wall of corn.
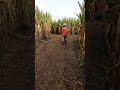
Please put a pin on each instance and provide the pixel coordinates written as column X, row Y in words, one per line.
column 17, row 44
column 106, row 13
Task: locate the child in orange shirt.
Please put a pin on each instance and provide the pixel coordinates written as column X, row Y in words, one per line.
column 64, row 34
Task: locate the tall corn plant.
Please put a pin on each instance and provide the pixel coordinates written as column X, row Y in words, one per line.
column 71, row 23
column 111, row 18
column 110, row 12
column 81, row 15
column 81, row 32
column 43, row 25
column 112, row 25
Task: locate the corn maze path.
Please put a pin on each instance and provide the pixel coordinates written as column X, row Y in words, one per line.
column 54, row 65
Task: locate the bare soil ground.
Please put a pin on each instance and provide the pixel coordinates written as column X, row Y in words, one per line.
column 57, row 66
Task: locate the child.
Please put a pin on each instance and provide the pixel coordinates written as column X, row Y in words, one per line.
column 64, row 34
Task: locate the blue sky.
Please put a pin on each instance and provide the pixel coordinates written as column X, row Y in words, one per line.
column 59, row 8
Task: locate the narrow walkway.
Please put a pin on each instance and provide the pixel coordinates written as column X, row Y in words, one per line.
column 54, row 65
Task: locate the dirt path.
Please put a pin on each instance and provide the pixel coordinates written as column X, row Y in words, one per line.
column 55, row 66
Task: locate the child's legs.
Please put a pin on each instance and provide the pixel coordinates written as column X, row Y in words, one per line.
column 63, row 40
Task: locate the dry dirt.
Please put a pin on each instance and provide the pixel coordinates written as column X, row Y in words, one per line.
column 57, row 66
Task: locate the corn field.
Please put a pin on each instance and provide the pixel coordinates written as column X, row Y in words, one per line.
column 15, row 24
column 43, row 23
column 16, row 44
column 108, row 12
column 112, row 26
column 81, row 31
column 73, row 25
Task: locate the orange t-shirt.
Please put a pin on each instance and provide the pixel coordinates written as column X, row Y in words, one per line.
column 64, row 31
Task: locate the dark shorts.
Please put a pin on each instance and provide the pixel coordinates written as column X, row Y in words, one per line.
column 65, row 36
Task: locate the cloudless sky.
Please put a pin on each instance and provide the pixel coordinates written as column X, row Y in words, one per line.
column 59, row 8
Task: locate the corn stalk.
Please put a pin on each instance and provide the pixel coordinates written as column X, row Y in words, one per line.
column 81, row 31
column 42, row 25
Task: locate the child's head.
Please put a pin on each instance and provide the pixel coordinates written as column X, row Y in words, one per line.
column 64, row 25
